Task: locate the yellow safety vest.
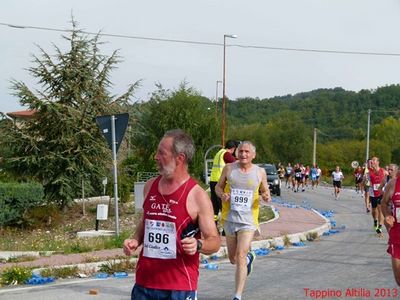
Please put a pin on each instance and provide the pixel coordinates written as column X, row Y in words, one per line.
column 218, row 165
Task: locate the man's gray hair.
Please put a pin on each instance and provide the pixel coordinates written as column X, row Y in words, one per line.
column 253, row 148
column 181, row 143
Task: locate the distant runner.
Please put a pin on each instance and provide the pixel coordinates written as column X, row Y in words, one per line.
column 337, row 176
column 314, row 176
column 366, row 183
column 288, row 175
column 358, row 178
column 377, row 174
column 298, row 178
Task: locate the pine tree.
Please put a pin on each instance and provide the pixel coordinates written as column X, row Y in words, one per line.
column 62, row 145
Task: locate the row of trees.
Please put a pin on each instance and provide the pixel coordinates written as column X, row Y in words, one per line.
column 62, row 146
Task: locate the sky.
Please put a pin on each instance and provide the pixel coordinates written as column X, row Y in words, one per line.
column 366, row 26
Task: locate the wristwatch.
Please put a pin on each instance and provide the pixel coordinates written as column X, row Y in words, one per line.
column 199, row 245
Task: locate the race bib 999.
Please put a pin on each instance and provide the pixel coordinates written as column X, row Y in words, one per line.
column 241, row 200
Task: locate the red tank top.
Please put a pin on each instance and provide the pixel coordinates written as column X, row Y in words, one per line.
column 376, row 180
column 162, row 262
column 394, row 234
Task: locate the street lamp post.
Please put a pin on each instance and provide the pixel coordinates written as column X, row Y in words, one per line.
column 216, row 100
column 232, row 36
column 368, row 132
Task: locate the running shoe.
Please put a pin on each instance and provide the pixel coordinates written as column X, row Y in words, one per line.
column 251, row 257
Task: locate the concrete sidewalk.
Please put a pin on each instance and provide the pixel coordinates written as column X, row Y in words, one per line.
column 293, row 223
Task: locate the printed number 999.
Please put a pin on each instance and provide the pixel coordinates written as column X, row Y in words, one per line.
column 241, row 199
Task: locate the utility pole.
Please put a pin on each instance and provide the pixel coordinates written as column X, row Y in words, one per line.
column 216, row 100
column 368, row 130
column 314, row 157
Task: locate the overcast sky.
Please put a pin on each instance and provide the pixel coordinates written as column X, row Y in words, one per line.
column 338, row 25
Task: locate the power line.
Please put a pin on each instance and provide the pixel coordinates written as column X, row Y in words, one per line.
column 206, row 43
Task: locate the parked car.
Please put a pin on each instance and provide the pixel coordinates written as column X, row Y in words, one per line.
column 273, row 179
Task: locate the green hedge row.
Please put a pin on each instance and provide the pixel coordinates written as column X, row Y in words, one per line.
column 16, row 199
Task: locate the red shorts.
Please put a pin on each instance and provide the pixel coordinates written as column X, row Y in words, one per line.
column 394, row 250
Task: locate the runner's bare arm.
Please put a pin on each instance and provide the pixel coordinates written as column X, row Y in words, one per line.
column 220, row 187
column 383, row 183
column 264, row 187
column 200, row 209
column 385, row 204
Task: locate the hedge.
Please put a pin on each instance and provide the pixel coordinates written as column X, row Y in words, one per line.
column 16, row 199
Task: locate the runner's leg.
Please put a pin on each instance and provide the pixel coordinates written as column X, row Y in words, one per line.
column 244, row 239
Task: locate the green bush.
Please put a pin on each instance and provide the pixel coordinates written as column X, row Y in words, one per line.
column 63, row 272
column 16, row 199
column 15, row 275
column 125, row 185
column 124, row 265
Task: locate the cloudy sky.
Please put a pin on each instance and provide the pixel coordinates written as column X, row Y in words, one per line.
column 356, row 26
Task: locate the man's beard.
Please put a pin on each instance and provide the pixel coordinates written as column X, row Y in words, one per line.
column 167, row 170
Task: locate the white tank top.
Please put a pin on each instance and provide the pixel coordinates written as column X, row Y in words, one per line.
column 243, row 188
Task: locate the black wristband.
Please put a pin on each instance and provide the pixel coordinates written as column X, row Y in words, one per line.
column 199, row 245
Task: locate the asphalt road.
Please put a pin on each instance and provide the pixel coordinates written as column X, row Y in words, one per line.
column 352, row 264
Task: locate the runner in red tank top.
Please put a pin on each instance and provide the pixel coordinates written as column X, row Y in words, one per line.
column 176, row 209
column 376, row 174
column 391, row 198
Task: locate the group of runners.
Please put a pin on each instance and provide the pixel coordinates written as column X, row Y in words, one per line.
column 298, row 177
column 178, row 221
column 380, row 188
column 371, row 181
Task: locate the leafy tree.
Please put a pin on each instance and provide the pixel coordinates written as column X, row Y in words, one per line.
column 259, row 135
column 183, row 108
column 341, row 153
column 62, row 145
column 388, row 132
column 290, row 138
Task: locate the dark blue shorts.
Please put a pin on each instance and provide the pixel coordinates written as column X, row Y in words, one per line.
column 375, row 201
column 142, row 293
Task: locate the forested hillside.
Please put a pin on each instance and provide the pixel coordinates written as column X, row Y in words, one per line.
column 336, row 112
column 282, row 127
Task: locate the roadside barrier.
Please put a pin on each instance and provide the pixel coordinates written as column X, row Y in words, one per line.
column 120, row 274
column 38, row 279
column 101, row 275
column 261, row 251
